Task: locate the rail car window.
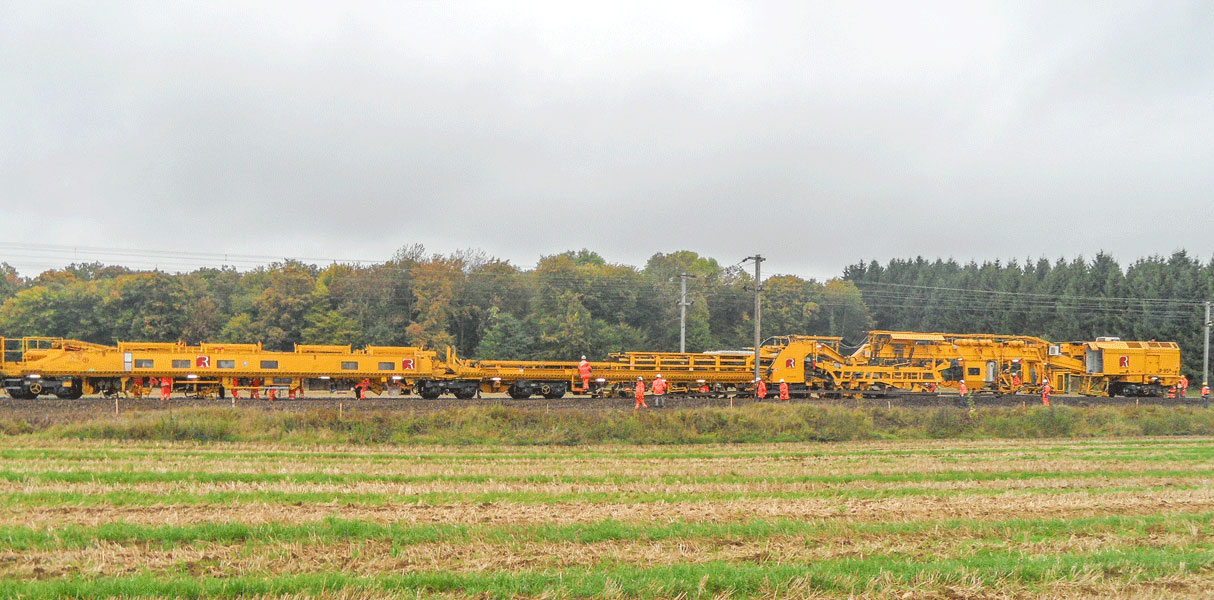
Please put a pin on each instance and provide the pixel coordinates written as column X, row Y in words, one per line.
column 144, row 363
column 226, row 364
column 269, row 364
column 386, row 366
column 181, row 364
column 974, row 370
column 282, row 380
column 349, row 366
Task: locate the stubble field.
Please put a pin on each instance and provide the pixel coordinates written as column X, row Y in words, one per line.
column 923, row 519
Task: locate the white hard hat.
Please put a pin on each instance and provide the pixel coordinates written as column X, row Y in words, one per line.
column 659, row 375
column 781, row 381
column 639, row 378
column 583, row 357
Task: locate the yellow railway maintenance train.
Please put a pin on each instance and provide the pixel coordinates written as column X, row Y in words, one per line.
column 811, row 365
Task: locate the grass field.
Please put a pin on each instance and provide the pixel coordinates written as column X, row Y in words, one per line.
column 1097, row 518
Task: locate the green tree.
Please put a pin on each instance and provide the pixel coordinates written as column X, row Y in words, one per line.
column 10, row 282
column 330, row 327
column 505, row 338
column 146, row 307
column 435, row 285
column 790, row 305
column 70, row 308
column 843, row 305
column 271, row 305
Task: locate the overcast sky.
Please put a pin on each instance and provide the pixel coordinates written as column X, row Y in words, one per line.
column 816, row 134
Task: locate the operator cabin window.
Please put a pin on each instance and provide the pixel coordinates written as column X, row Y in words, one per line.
column 975, row 370
column 269, row 364
column 386, row 366
column 226, row 364
column 349, row 366
column 181, row 364
column 144, row 363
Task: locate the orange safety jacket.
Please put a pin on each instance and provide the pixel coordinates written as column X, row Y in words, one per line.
column 761, row 389
column 783, row 391
column 583, row 369
column 1205, row 390
column 962, row 389
column 658, row 387
column 640, row 390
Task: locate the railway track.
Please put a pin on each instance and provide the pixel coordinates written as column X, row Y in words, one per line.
column 53, row 410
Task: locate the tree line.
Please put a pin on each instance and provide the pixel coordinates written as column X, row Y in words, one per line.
column 577, row 303
column 569, row 304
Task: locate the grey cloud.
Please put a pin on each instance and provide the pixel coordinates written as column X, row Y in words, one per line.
column 815, row 133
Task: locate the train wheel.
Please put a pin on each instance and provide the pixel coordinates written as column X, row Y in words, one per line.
column 554, row 392
column 465, row 393
column 429, row 394
column 72, row 393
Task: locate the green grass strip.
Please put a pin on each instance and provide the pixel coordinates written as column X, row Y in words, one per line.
column 333, row 529
column 706, row 580
column 185, row 498
column 1138, row 449
column 315, row 478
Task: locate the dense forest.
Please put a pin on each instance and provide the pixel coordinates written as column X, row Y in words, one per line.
column 577, row 303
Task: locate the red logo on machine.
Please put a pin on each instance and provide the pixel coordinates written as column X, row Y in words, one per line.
column 406, row 364
column 1123, row 362
column 203, row 362
column 790, row 363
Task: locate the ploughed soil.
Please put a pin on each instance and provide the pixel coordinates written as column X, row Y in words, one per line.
column 49, row 409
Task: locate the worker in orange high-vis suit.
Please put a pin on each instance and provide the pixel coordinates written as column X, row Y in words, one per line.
column 1045, row 393
column 1205, row 395
column 784, row 390
column 962, row 389
column 659, row 387
column 640, row 393
column 1182, row 386
column 362, row 388
column 760, row 389
column 583, row 371
column 166, row 388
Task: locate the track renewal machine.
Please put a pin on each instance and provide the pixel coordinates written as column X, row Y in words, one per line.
column 812, row 365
